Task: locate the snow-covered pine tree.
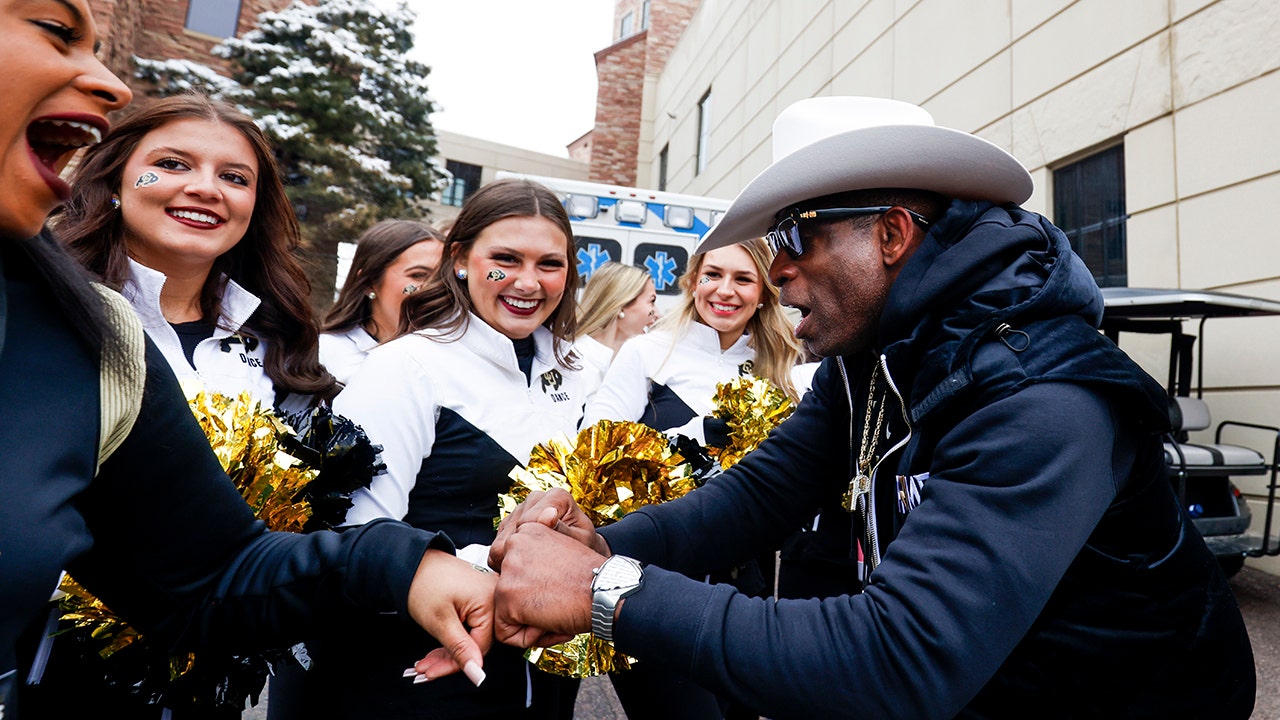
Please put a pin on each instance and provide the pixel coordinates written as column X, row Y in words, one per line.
column 331, row 84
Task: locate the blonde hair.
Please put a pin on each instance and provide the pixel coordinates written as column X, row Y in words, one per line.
column 609, row 289
column 770, row 332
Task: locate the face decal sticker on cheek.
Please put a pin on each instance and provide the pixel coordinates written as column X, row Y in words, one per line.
column 145, row 179
column 496, row 275
column 704, row 280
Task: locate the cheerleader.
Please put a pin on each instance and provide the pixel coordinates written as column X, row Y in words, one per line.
column 199, row 235
column 483, row 375
column 618, row 303
column 393, row 258
column 728, row 323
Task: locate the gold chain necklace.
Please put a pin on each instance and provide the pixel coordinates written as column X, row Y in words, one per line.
column 860, row 483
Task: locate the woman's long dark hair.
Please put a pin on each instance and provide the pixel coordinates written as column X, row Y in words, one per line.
column 377, row 248
column 445, row 303
column 262, row 262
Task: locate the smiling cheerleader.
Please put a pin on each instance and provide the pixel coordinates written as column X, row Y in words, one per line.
column 483, row 374
column 181, row 208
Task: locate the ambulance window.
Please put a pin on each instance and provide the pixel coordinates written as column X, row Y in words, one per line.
column 594, row 252
column 582, row 206
column 665, row 263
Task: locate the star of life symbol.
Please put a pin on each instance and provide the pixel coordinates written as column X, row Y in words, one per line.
column 662, row 269
column 590, row 259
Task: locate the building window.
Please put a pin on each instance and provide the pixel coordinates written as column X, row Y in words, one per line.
column 704, row 132
column 466, row 180
column 644, row 16
column 662, row 168
column 628, row 22
column 218, row 18
column 1088, row 203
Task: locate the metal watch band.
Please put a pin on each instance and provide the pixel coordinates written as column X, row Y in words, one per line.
column 616, row 578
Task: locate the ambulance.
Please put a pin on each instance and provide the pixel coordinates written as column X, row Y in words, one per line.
column 651, row 229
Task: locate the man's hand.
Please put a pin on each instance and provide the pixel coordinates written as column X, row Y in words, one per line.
column 446, row 594
column 556, row 510
column 544, row 592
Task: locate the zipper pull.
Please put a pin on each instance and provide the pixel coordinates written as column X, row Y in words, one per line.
column 1015, row 340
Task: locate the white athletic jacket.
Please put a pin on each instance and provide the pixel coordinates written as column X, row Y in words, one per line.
column 342, row 354
column 669, row 384
column 453, row 418
column 226, row 362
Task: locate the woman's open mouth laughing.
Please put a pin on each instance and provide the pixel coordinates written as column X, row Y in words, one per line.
column 53, row 140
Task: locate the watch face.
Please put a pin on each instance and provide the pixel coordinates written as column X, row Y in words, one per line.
column 617, row 574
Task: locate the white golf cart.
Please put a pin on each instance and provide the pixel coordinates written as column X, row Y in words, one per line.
column 1202, row 472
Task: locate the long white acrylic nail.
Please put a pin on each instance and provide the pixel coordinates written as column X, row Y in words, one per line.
column 420, row 679
column 410, row 672
column 473, row 672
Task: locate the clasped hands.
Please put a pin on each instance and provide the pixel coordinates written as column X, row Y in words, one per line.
column 544, row 553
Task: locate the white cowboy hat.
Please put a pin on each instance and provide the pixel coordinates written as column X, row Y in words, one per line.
column 827, row 145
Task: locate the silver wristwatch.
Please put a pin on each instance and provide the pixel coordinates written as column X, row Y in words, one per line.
column 616, row 578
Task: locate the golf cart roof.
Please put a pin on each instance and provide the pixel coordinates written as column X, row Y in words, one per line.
column 1153, row 303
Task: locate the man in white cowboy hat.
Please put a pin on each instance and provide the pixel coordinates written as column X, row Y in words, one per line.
column 1023, row 551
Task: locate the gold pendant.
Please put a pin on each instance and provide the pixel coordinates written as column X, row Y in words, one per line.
column 858, row 486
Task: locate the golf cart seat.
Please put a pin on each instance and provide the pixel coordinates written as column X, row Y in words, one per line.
column 1207, row 459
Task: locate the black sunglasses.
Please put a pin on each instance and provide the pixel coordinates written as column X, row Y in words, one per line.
column 786, row 233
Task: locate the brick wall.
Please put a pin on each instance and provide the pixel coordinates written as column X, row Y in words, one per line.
column 620, row 71
column 667, row 21
column 156, row 29
column 615, row 141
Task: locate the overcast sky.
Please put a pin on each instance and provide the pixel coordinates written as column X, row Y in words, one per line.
column 518, row 72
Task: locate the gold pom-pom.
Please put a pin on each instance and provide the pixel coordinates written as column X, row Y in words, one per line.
column 752, row 407
column 245, row 436
column 611, row 469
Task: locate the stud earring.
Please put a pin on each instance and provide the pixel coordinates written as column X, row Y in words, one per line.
column 115, row 203
column 462, row 273
column 622, row 314
column 760, row 305
column 373, row 295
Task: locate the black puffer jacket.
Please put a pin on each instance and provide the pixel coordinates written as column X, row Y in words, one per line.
column 1047, row 569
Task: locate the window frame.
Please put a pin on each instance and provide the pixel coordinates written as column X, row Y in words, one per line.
column 1089, row 206
column 663, row 159
column 460, row 171
column 214, row 6
column 703, row 152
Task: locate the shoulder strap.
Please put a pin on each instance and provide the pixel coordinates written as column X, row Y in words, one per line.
column 124, row 372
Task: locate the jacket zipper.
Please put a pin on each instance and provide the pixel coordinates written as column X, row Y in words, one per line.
column 874, row 554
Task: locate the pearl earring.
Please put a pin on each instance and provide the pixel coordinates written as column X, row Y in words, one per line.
column 622, row 314
column 373, row 295
column 760, row 305
column 462, row 274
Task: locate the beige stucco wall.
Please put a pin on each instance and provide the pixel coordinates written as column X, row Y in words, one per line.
column 1190, row 87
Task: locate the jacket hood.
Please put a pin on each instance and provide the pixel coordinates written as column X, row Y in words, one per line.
column 980, row 268
column 982, row 264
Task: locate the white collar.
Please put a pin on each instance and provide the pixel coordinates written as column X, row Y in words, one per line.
column 143, row 286
column 488, row 343
column 361, row 338
column 593, row 350
column 707, row 338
